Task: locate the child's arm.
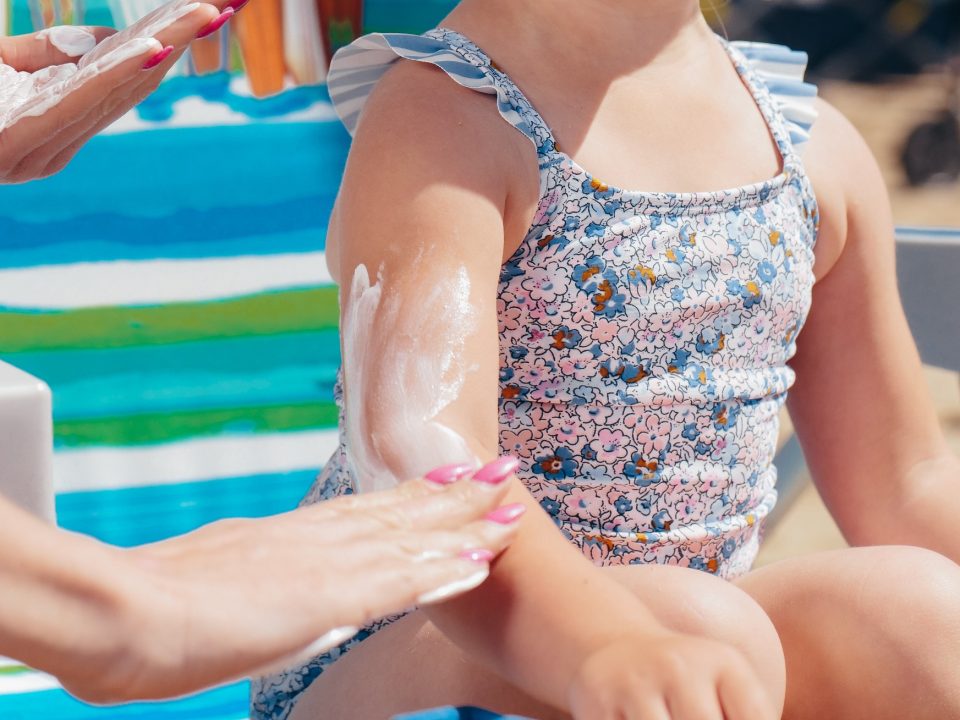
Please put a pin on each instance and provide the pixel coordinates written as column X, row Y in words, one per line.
column 422, row 210
column 861, row 407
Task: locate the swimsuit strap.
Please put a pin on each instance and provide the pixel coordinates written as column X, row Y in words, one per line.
column 357, row 68
column 773, row 73
column 775, row 76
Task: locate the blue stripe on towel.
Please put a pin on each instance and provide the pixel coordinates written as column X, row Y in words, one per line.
column 452, row 713
column 136, row 516
column 226, row 703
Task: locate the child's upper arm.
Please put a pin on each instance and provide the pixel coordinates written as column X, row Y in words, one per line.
column 420, row 216
column 860, row 404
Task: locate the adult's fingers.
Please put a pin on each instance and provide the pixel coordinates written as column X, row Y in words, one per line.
column 387, row 591
column 55, row 46
column 56, row 153
column 424, row 545
column 37, row 122
column 394, row 586
column 348, row 507
column 452, row 508
column 449, row 508
column 175, row 27
column 184, row 30
column 409, row 490
column 448, row 481
column 155, row 24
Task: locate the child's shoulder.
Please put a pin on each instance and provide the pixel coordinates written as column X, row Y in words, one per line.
column 846, row 179
column 420, row 128
column 417, row 82
column 428, row 156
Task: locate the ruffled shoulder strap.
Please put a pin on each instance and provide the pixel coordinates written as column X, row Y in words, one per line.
column 782, row 71
column 357, row 68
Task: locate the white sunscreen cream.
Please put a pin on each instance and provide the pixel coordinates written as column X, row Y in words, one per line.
column 403, row 364
column 71, row 40
column 24, row 94
column 34, row 94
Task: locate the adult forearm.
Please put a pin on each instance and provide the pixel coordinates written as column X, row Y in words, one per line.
column 544, row 609
column 60, row 609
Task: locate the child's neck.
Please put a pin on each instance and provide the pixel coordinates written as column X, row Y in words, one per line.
column 655, row 31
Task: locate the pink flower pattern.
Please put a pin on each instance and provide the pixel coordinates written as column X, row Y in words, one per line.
column 644, row 340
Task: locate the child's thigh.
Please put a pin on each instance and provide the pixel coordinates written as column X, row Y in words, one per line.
column 869, row 632
column 410, row 665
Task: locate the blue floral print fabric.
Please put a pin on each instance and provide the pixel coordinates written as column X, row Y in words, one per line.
column 644, row 337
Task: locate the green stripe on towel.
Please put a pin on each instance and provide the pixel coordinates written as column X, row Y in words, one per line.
column 153, row 428
column 120, row 327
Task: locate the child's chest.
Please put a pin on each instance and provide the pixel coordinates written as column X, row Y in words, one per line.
column 656, row 284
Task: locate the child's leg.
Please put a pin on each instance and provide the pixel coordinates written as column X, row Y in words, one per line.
column 867, row 632
column 412, row 666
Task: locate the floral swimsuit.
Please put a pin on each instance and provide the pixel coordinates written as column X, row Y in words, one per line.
column 643, row 336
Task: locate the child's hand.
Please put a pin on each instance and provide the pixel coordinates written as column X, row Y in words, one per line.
column 668, row 676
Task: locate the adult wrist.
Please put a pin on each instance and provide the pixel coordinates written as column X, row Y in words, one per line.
column 104, row 598
column 141, row 627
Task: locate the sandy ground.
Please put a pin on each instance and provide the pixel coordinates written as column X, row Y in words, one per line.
column 883, row 114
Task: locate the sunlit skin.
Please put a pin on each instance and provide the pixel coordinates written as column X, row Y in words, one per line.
column 38, row 146
column 873, row 631
column 236, row 597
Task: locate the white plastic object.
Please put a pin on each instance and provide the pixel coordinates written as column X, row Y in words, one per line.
column 26, row 442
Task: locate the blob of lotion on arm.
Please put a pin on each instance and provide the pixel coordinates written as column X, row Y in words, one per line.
column 403, row 365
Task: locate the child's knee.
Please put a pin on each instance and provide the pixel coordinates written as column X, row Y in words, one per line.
column 916, row 597
column 918, row 586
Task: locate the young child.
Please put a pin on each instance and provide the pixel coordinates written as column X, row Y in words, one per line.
column 516, row 279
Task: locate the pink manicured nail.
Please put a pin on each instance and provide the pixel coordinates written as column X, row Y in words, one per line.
column 448, row 474
column 477, row 556
column 508, row 514
column 158, row 58
column 235, row 5
column 498, row 471
column 217, row 23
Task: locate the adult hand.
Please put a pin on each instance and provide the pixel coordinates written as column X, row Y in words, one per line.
column 60, row 87
column 242, row 597
column 668, row 676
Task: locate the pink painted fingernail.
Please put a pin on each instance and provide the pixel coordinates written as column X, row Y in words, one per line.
column 508, row 514
column 477, row 556
column 159, row 57
column 449, row 474
column 217, row 23
column 235, row 5
column 497, row 471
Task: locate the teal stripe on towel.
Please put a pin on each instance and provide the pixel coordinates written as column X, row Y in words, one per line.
column 452, row 713
column 227, row 703
column 235, row 372
column 135, row 516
